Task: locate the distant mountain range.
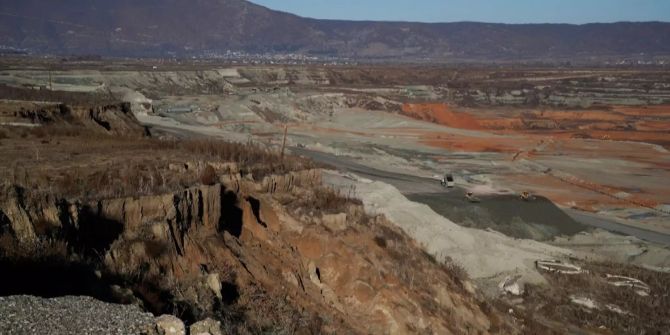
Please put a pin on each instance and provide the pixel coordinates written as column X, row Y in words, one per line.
column 197, row 27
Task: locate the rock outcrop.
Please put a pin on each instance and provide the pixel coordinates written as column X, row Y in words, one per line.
column 206, row 327
column 111, row 119
column 169, row 325
column 236, row 250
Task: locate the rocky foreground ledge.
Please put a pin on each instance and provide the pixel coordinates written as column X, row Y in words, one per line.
column 24, row 314
column 70, row 315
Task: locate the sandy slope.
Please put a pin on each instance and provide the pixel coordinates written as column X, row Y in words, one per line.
column 487, row 256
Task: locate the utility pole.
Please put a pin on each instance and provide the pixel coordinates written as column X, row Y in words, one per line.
column 283, row 143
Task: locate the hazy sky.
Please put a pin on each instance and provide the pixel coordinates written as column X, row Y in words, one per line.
column 507, row 11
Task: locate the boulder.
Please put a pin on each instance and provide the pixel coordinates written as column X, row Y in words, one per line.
column 512, row 285
column 18, row 220
column 335, row 222
column 206, row 327
column 214, row 284
column 169, row 325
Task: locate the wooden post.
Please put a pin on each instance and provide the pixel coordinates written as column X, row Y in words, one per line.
column 283, row 143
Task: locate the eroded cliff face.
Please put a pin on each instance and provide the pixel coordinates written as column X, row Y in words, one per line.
column 110, row 119
column 253, row 255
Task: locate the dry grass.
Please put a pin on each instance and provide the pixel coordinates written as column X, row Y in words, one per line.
column 456, row 270
column 320, row 199
column 43, row 94
column 252, row 158
column 265, row 313
column 40, row 250
column 68, row 162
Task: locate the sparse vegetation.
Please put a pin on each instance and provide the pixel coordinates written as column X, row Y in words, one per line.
column 45, row 94
column 323, row 199
column 208, row 176
column 380, row 241
column 165, row 260
column 45, row 248
column 105, row 166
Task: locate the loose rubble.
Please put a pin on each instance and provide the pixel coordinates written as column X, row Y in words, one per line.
column 69, row 315
column 168, row 325
column 206, row 327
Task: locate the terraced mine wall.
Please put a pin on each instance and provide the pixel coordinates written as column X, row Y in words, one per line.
column 565, row 87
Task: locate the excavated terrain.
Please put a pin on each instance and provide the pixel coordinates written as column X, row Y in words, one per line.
column 115, row 171
column 262, row 249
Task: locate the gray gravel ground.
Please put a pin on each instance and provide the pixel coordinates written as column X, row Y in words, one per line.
column 69, row 315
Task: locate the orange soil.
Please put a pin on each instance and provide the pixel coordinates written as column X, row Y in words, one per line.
column 475, row 144
column 564, row 193
column 658, row 110
column 653, row 126
column 649, row 124
column 581, row 115
column 441, row 113
column 502, row 124
column 642, row 124
column 607, row 191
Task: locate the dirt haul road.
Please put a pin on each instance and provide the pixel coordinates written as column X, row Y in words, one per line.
column 550, row 220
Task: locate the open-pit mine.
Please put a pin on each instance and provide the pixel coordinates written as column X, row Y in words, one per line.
column 385, row 199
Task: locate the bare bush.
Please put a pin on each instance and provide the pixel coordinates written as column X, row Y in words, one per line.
column 322, row 199
column 107, row 166
column 380, row 241
column 456, row 270
column 40, row 249
column 208, row 176
column 252, row 158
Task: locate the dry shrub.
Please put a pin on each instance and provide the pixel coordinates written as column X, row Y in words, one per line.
column 456, row 270
column 267, row 313
column 38, row 132
column 97, row 173
column 252, row 158
column 324, row 200
column 380, row 241
column 208, row 176
column 40, row 249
